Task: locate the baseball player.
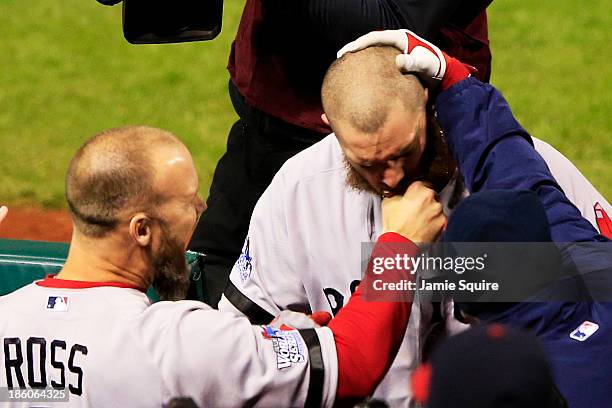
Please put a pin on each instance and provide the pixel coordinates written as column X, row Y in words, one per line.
column 90, row 337
column 483, row 147
column 310, row 194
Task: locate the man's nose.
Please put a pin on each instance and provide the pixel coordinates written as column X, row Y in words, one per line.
column 392, row 174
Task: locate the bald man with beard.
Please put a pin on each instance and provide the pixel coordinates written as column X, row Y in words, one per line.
column 89, row 336
column 304, row 246
column 141, row 181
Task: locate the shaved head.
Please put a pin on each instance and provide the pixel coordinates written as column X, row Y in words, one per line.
column 383, row 123
column 361, row 88
column 112, row 174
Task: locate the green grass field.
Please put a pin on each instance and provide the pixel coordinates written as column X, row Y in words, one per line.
column 66, row 73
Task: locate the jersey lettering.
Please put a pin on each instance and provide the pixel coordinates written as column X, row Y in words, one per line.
column 58, row 344
column 78, row 390
column 336, row 299
column 13, row 364
column 36, row 363
column 33, row 371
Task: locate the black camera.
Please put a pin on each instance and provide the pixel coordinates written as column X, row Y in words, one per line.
column 170, row 21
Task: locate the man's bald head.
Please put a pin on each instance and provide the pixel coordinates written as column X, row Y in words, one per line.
column 112, row 174
column 360, row 89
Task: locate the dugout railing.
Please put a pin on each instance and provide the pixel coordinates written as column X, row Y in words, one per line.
column 22, row 262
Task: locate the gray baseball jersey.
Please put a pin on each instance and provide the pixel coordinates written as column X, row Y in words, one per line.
column 303, row 250
column 108, row 347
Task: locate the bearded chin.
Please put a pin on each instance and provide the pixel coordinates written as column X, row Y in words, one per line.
column 355, row 181
column 437, row 166
column 171, row 274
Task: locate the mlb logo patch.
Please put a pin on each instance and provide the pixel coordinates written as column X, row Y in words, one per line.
column 584, row 331
column 57, row 303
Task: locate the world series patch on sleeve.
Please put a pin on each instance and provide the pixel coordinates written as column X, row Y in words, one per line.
column 287, row 344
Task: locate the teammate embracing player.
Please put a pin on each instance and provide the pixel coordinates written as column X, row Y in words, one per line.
column 90, row 337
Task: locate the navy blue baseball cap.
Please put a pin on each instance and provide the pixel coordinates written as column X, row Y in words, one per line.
column 488, row 366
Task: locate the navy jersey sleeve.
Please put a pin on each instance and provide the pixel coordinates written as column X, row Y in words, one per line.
column 493, row 151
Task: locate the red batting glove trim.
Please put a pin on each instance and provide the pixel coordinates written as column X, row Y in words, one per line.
column 603, row 221
column 416, row 42
column 321, row 318
column 455, row 71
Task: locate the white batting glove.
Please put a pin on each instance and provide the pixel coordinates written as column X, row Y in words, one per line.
column 418, row 56
column 295, row 320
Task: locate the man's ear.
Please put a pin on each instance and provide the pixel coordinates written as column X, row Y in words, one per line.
column 324, row 119
column 140, row 229
column 426, row 95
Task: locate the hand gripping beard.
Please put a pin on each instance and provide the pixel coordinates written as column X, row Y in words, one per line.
column 437, row 166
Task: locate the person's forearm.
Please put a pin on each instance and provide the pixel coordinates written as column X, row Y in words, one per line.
column 493, row 151
column 369, row 334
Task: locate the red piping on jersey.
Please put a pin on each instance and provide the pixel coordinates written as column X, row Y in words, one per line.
column 51, row 281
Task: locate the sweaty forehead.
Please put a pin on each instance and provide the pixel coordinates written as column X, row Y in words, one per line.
column 176, row 174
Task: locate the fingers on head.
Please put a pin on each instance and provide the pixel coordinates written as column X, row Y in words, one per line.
column 404, row 62
column 362, row 42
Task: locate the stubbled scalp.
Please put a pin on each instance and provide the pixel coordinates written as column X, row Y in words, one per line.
column 361, row 87
column 112, row 174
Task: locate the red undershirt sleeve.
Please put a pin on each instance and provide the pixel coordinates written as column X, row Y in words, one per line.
column 369, row 331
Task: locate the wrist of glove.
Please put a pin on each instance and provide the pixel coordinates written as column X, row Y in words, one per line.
column 287, row 320
column 418, row 56
column 455, row 71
